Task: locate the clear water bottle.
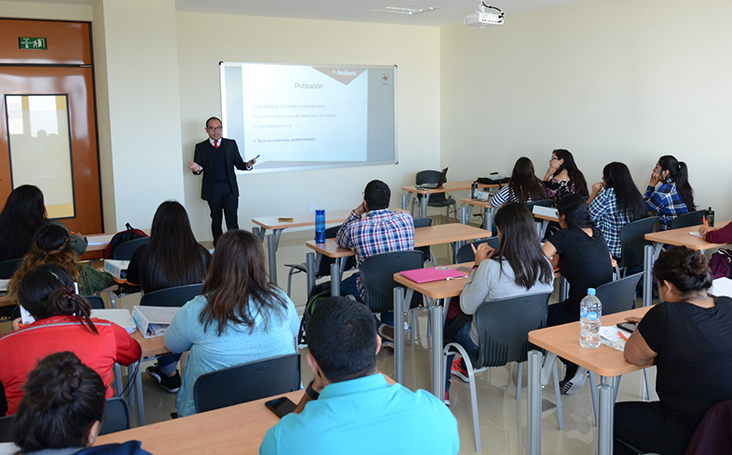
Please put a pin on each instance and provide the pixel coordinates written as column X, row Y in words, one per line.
column 320, row 226
column 590, row 316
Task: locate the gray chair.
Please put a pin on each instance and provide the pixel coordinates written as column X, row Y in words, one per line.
column 116, row 416
column 688, row 219
column 542, row 203
column 6, row 422
column 426, row 250
column 96, row 302
column 175, row 296
column 247, row 382
column 632, row 241
column 503, row 328
column 436, row 199
column 465, row 253
column 125, row 250
column 7, row 268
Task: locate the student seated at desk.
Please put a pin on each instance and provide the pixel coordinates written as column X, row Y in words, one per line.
column 674, row 196
column 522, row 188
column 62, row 323
column 580, row 252
column 172, row 257
column 62, row 409
column 52, row 245
column 349, row 407
column 717, row 235
column 23, row 214
column 518, row 267
column 687, row 338
column 615, row 201
column 563, row 177
column 239, row 318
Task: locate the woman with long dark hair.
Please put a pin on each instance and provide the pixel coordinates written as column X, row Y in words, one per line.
column 685, row 336
column 241, row 317
column 62, row 409
column 563, row 177
column 517, row 267
column 674, row 196
column 23, row 214
column 172, row 257
column 523, row 187
column 63, row 322
column 52, row 245
column 615, row 201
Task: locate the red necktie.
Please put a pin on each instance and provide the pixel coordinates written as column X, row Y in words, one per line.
column 216, row 144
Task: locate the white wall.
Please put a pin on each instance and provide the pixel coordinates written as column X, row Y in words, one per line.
column 256, row 39
column 610, row 80
column 26, row 10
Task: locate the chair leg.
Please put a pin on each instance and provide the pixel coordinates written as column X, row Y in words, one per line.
column 412, row 319
column 519, row 380
column 594, row 395
column 558, row 397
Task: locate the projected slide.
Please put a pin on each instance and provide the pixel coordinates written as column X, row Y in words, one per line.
column 296, row 116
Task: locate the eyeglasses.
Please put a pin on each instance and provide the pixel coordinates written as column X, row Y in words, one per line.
column 214, row 128
column 554, row 158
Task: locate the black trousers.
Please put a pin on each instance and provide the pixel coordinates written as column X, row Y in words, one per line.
column 648, row 427
column 223, row 200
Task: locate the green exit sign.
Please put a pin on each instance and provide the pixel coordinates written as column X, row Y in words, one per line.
column 32, row 43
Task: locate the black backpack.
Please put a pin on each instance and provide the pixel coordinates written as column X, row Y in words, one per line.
column 123, row 236
column 319, row 291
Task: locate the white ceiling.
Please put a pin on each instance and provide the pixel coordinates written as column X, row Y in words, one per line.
column 448, row 12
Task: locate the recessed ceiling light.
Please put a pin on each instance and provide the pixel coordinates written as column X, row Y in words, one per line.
column 404, row 9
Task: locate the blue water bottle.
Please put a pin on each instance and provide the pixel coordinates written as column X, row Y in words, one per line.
column 320, row 226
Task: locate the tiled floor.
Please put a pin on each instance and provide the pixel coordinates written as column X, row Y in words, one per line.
column 502, row 418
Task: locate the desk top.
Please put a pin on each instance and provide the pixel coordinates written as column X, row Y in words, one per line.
column 681, row 237
column 563, row 340
column 441, row 289
column 306, row 219
column 424, row 236
column 150, row 346
column 449, row 186
column 476, row 202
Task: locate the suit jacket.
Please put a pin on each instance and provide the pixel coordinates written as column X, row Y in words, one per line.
column 202, row 157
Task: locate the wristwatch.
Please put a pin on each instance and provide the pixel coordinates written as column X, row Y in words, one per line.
column 311, row 393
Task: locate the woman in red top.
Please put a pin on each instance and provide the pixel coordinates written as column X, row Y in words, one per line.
column 63, row 322
column 717, row 235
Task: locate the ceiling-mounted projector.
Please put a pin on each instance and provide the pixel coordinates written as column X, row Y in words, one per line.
column 482, row 19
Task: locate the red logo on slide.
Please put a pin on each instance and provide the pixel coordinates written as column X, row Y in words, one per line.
column 385, row 78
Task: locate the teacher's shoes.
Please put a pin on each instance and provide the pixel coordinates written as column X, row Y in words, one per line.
column 171, row 384
column 574, row 385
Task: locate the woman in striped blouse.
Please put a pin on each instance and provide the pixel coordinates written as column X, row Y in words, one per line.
column 522, row 188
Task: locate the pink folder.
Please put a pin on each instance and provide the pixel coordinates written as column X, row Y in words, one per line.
column 432, row 274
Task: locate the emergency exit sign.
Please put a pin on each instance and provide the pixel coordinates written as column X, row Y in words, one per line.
column 32, row 43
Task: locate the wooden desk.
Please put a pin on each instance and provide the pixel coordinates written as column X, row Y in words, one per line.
column 425, row 236
column 436, row 290
column 563, row 340
column 675, row 237
column 300, row 220
column 448, row 186
column 484, row 205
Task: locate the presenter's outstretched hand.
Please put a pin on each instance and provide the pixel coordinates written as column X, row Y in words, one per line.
column 194, row 166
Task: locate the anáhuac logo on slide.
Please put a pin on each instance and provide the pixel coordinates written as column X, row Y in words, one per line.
column 385, row 78
column 342, row 75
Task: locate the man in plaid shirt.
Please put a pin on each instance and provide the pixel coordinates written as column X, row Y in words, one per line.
column 373, row 229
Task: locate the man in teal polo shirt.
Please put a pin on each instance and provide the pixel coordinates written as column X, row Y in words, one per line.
column 349, row 407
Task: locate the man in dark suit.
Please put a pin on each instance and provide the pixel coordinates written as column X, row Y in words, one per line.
column 216, row 157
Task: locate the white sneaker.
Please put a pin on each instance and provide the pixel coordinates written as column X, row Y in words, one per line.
column 575, row 384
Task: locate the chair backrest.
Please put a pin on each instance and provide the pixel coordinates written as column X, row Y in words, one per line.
column 116, row 416
column 423, row 222
column 7, row 268
column 465, row 253
column 175, row 296
column 632, row 240
column 125, row 250
column 431, row 177
column 377, row 273
column 688, row 219
column 247, row 382
column 5, row 423
column 325, row 261
column 713, row 433
column 619, row 295
column 97, row 303
column 504, row 326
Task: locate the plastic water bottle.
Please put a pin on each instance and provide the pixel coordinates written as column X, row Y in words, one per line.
column 590, row 316
column 474, row 190
column 320, row 226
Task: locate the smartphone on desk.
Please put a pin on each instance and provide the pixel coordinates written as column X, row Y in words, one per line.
column 281, row 406
column 627, row 326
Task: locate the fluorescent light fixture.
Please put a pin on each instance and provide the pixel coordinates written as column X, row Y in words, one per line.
column 404, row 9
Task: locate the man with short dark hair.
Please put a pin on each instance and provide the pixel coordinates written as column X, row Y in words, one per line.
column 218, row 157
column 349, row 407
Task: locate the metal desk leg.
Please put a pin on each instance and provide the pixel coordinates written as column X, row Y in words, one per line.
column 335, row 279
column 399, row 334
column 438, row 377
column 647, row 279
column 488, row 218
column 533, row 424
column 310, row 265
column 259, row 232
column 544, row 225
column 605, row 421
column 406, row 197
column 138, row 392
column 425, row 202
column 465, row 214
column 273, row 241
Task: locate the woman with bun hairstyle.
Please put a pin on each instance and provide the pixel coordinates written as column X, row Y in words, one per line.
column 674, row 196
column 63, row 322
column 686, row 337
column 615, row 201
column 52, row 245
column 563, row 177
column 61, row 411
column 522, row 188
